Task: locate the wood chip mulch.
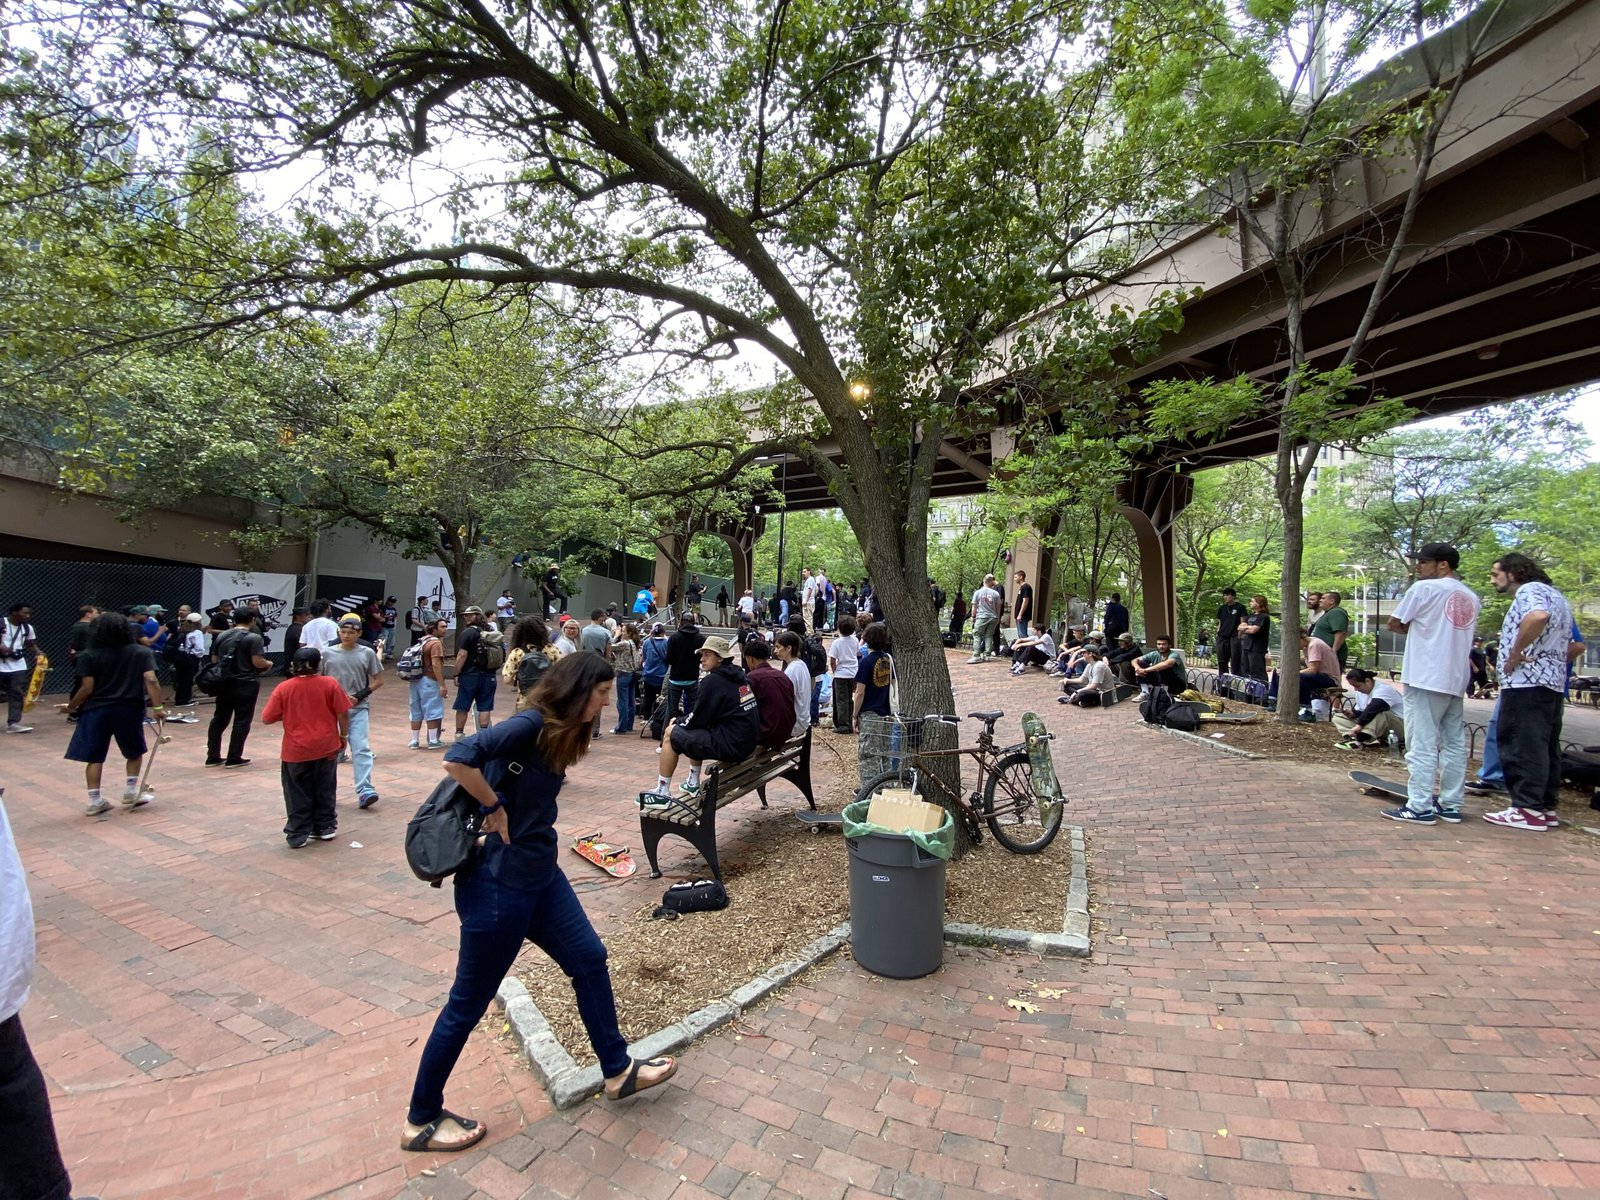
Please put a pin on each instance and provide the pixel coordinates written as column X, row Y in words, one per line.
column 787, row 887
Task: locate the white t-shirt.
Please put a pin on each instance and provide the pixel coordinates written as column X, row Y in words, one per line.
column 985, row 603
column 13, row 638
column 801, row 678
column 808, row 590
column 320, row 632
column 845, row 652
column 1544, row 663
column 16, row 926
column 195, row 644
column 1381, row 690
column 506, row 607
column 1442, row 614
column 747, row 605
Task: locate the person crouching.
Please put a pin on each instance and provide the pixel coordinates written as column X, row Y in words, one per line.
column 316, row 725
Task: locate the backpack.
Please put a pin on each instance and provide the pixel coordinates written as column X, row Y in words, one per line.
column 409, row 665
column 443, row 835
column 531, row 668
column 699, row 895
column 219, row 670
column 491, row 650
column 1153, row 707
column 814, row 657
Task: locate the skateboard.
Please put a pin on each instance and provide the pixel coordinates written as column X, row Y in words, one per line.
column 613, row 860
column 818, row 821
column 1045, row 784
column 145, row 793
column 41, row 664
column 1371, row 785
column 1227, row 718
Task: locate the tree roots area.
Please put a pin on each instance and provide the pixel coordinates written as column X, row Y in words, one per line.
column 786, row 887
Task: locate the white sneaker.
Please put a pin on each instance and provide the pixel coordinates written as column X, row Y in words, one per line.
column 101, row 805
column 129, row 795
column 20, row 728
column 976, row 658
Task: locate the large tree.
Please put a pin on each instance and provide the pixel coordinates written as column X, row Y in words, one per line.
column 869, row 196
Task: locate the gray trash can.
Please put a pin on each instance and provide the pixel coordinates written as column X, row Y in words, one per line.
column 896, row 906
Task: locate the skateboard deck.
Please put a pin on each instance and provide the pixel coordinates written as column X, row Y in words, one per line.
column 1371, row 785
column 41, row 665
column 1045, row 784
column 1227, row 718
column 818, row 821
column 613, row 860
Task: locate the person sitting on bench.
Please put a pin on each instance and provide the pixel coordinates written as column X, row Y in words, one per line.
column 725, row 725
column 1096, row 687
column 774, row 692
column 1320, row 670
column 1163, row 666
column 1378, row 712
column 1039, row 650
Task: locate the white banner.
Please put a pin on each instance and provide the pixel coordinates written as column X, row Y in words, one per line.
column 275, row 593
column 434, row 583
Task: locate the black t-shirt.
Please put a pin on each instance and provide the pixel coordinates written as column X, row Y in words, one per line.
column 550, row 585
column 1258, row 641
column 683, row 655
column 118, row 674
column 236, row 649
column 1024, row 609
column 1228, row 618
column 471, row 641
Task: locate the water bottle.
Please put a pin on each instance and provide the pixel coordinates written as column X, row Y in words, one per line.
column 1394, row 745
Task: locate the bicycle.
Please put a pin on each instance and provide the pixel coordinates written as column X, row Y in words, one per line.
column 1004, row 796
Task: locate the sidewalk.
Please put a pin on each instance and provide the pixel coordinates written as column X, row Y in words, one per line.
column 1288, row 996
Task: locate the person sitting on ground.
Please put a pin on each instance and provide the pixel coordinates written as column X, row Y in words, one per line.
column 1096, row 688
column 1121, row 659
column 1162, row 667
column 774, row 693
column 725, row 724
column 1379, row 710
column 1038, row 650
column 1319, row 671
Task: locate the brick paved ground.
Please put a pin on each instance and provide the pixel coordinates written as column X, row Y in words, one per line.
column 1287, row 997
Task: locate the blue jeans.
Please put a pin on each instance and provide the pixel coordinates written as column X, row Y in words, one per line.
column 680, row 699
column 627, row 687
column 361, row 750
column 1491, row 772
column 1436, row 743
column 495, row 920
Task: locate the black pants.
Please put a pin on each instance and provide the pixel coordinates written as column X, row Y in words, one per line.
column 555, row 602
column 236, row 704
column 1529, row 733
column 183, row 672
column 1255, row 663
column 1227, row 654
column 33, row 1167
column 14, row 684
column 649, row 697
column 309, row 789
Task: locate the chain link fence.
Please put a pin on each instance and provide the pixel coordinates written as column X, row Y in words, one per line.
column 55, row 591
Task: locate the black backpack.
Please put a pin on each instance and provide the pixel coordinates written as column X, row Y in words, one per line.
column 698, row 895
column 531, row 669
column 443, row 836
column 814, row 657
column 1155, row 704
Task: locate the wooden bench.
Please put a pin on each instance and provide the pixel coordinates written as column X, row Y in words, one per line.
column 694, row 817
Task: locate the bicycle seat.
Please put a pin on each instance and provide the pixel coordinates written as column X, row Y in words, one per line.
column 988, row 718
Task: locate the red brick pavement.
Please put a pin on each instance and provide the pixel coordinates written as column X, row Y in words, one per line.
column 1287, row 997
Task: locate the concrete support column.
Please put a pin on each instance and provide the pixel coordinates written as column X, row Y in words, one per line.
column 1035, row 555
column 1151, row 499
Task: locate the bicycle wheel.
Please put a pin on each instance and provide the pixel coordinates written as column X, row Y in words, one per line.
column 1012, row 810
column 900, row 777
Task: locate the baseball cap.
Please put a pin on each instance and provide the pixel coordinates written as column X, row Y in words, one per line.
column 194, row 618
column 307, row 654
column 155, row 608
column 139, row 610
column 1124, row 637
column 1438, row 552
column 720, row 645
column 350, row 619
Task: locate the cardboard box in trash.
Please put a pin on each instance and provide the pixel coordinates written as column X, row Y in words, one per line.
column 899, row 808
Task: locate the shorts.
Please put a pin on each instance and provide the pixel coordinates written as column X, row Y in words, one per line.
column 96, row 727
column 696, row 745
column 475, row 687
column 426, row 703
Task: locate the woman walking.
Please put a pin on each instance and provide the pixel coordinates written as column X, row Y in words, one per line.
column 625, row 661
column 514, row 891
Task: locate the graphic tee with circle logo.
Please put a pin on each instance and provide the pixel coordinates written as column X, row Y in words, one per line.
column 1442, row 614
